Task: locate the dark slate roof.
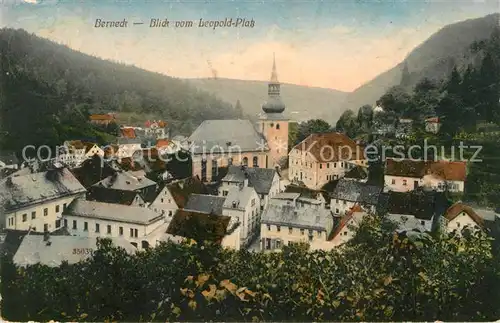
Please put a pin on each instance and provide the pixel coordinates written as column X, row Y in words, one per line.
column 356, row 192
column 330, row 186
column 357, row 172
column 126, row 181
column 421, row 204
column 306, row 191
column 205, row 204
column 109, row 195
column 24, row 190
column 92, row 171
column 199, row 226
column 182, row 189
column 261, row 179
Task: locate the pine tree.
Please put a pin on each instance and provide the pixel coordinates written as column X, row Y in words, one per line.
column 405, row 76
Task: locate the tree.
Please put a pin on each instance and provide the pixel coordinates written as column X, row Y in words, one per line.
column 405, row 75
column 348, row 123
column 311, row 126
column 396, row 100
column 365, row 118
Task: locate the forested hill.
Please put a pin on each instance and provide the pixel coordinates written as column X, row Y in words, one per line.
column 48, row 80
column 434, row 59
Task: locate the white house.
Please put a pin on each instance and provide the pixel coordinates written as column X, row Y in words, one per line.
column 348, row 193
column 283, row 223
column 244, row 203
column 127, row 147
column 432, row 125
column 140, row 226
column 405, row 175
column 36, row 200
column 325, row 157
column 460, row 216
column 52, row 251
column 265, row 181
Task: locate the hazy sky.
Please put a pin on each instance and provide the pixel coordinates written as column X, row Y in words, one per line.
column 332, row 44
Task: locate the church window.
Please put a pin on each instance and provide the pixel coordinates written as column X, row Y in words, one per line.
column 230, row 161
column 278, row 126
column 245, row 161
column 272, row 125
column 255, row 161
column 327, row 165
column 320, row 166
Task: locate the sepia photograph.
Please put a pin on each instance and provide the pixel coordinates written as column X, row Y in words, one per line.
column 249, row 161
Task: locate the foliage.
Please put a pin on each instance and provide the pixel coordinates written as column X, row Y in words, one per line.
column 407, row 277
column 309, row 127
column 49, row 89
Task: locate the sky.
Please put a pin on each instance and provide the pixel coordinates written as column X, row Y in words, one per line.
column 330, row 44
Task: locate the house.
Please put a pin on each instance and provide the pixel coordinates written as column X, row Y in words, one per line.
column 432, row 125
column 460, row 216
column 243, row 203
column 298, row 201
column 202, row 203
column 283, row 224
column 93, row 170
column 348, row 193
column 206, row 227
column 102, row 119
column 127, row 132
column 165, row 146
column 416, row 210
column 127, row 147
column 344, row 228
column 110, row 195
column 9, row 161
column 404, row 175
column 265, row 181
column 357, row 173
column 307, row 195
column 155, row 129
column 36, row 200
column 175, row 195
column 126, row 181
column 52, row 251
column 321, row 158
column 138, row 225
column 92, row 149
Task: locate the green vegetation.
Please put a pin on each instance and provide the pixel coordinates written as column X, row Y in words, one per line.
column 410, row 278
column 48, row 90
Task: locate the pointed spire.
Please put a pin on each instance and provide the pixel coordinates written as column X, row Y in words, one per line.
column 274, row 74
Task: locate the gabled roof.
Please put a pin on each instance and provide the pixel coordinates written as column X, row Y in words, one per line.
column 108, row 195
column 214, row 135
column 199, row 226
column 205, row 203
column 306, row 192
column 340, row 147
column 58, row 249
column 446, row 170
column 459, row 207
column 24, row 190
column 14, row 238
column 259, row 178
column 345, row 220
column 125, row 181
column 89, row 145
column 356, row 192
column 305, row 218
column 182, row 189
column 112, row 212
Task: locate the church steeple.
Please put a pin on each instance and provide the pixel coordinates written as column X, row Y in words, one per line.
column 274, row 74
column 273, row 88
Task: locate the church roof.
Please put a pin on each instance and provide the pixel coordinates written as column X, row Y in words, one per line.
column 217, row 134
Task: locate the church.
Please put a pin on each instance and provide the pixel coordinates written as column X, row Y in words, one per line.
column 221, row 143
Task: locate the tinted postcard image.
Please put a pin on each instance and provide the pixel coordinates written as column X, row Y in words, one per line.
column 238, row 161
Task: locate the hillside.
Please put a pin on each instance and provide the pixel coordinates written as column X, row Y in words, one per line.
column 309, row 102
column 433, row 59
column 43, row 83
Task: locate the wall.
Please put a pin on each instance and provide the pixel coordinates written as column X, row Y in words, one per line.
column 164, row 204
column 271, row 232
column 14, row 220
column 277, row 139
column 249, row 217
column 233, row 240
column 399, row 183
column 461, row 221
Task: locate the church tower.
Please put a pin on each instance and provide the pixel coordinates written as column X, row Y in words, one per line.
column 272, row 123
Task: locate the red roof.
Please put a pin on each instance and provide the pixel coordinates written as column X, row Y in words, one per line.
column 459, row 207
column 147, row 124
column 446, row 170
column 101, row 117
column 345, row 220
column 128, row 132
column 162, row 143
column 433, row 120
column 331, row 147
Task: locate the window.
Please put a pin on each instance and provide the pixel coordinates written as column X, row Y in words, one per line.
column 320, row 166
column 245, row 161
column 327, row 165
column 290, row 230
column 65, row 223
column 342, row 164
column 74, row 224
column 268, row 227
column 224, row 193
column 393, row 181
column 11, row 221
column 336, row 210
column 215, row 168
column 136, row 233
column 33, row 215
column 169, row 213
column 85, row 226
column 278, row 243
column 278, row 228
column 109, row 229
column 253, row 202
column 132, row 233
column 345, row 233
column 310, row 238
column 230, row 161
column 271, row 125
column 345, row 202
column 337, row 201
column 57, row 208
column 278, row 126
column 422, row 222
column 25, row 217
column 255, row 162
column 45, row 227
column 162, row 200
column 97, row 227
column 301, row 232
column 45, row 212
column 458, row 224
column 120, row 230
